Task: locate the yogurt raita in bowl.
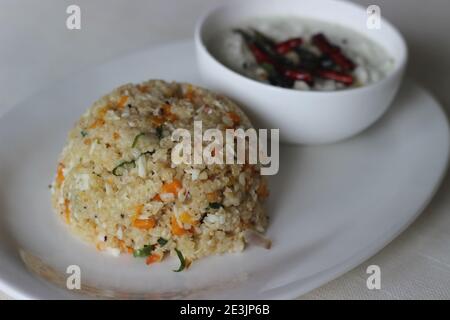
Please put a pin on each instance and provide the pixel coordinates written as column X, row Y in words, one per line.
column 302, row 54
column 256, row 53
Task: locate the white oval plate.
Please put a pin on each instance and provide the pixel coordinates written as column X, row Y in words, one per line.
column 331, row 207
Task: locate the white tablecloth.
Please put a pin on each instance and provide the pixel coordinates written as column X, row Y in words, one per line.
column 37, row 49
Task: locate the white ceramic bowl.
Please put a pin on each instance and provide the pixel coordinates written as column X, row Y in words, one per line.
column 307, row 117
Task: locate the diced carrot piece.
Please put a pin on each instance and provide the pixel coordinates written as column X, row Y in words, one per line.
column 122, row 101
column 87, row 141
column 166, row 108
column 168, row 113
column 102, row 111
column 169, row 187
column 138, row 209
column 234, row 117
column 153, row 258
column 262, row 191
column 157, row 120
column 122, row 245
column 172, row 117
column 185, row 217
column 67, row 210
column 176, row 228
column 60, row 174
column 144, row 223
column 212, row 196
column 97, row 123
column 142, row 89
column 172, row 187
column 190, row 93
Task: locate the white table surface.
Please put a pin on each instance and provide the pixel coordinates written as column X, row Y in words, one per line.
column 37, row 49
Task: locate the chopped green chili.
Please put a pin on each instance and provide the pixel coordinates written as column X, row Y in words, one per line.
column 144, row 252
column 130, row 164
column 182, row 261
column 159, row 132
column 83, row 133
column 146, row 153
column 162, row 241
column 123, row 165
column 136, row 139
column 215, row 205
column 270, row 69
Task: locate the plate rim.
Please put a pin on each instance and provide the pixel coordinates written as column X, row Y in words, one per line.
column 327, row 275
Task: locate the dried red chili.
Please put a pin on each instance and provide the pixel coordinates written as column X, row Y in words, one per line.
column 298, row 75
column 288, row 45
column 334, row 52
column 344, row 78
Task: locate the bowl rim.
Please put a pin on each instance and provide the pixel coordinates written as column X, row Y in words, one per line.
column 398, row 67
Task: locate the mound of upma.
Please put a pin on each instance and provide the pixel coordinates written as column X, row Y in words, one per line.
column 117, row 188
